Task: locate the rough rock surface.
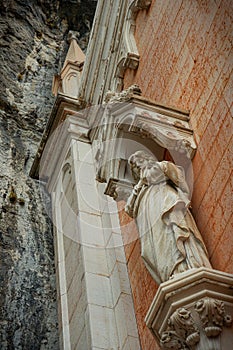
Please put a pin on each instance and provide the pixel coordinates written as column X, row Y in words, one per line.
column 33, row 44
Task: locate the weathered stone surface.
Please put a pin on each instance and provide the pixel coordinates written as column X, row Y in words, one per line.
column 33, row 45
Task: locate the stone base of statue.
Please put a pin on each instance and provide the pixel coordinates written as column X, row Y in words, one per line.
column 194, row 310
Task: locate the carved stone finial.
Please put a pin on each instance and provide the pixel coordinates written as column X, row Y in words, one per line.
column 72, row 35
column 68, row 80
column 122, row 96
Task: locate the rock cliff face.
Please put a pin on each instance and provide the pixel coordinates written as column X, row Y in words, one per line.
column 33, row 45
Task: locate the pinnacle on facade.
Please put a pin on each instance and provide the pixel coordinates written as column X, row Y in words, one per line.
column 67, row 82
column 74, row 54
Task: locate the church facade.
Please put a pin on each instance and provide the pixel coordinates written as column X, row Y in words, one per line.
column 156, row 79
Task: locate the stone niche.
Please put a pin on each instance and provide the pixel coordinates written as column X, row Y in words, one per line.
column 194, row 311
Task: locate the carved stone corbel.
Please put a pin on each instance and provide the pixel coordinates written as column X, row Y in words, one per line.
column 192, row 310
column 131, row 61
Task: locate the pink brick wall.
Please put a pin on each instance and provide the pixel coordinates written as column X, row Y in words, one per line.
column 142, row 285
column 186, row 61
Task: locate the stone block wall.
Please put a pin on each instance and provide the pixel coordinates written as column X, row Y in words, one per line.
column 185, row 52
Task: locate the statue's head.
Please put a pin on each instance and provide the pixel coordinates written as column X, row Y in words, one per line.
column 140, row 160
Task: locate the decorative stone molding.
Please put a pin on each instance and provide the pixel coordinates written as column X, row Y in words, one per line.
column 113, row 37
column 123, row 96
column 126, row 118
column 191, row 310
column 163, row 137
column 64, row 107
column 129, row 57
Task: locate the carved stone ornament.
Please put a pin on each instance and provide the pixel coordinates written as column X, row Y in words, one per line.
column 213, row 316
column 127, row 115
column 171, row 138
column 129, row 56
column 130, row 60
column 182, row 331
column 68, row 81
column 123, row 96
column 142, row 4
column 72, row 35
column 193, row 311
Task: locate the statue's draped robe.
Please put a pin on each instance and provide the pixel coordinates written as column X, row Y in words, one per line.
column 170, row 240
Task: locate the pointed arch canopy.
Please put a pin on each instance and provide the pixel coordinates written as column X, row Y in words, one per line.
column 129, row 122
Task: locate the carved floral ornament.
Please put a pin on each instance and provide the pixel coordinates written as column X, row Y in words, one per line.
column 213, row 316
column 184, row 328
column 182, row 331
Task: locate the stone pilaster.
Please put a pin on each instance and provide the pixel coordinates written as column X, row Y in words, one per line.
column 94, row 297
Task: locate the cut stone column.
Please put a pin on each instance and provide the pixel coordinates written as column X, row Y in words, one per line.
column 193, row 311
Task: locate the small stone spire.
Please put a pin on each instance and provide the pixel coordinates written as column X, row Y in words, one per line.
column 74, row 54
column 67, row 82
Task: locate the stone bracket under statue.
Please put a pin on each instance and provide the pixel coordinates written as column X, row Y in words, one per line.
column 193, row 310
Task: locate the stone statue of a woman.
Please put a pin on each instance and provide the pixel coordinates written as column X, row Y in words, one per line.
column 170, row 240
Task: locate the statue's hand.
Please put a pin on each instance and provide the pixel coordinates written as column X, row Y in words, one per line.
column 129, row 210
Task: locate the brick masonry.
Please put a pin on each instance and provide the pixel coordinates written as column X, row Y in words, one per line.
column 142, row 286
column 186, row 60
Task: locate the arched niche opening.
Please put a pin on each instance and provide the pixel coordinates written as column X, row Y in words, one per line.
column 130, row 123
column 116, row 167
